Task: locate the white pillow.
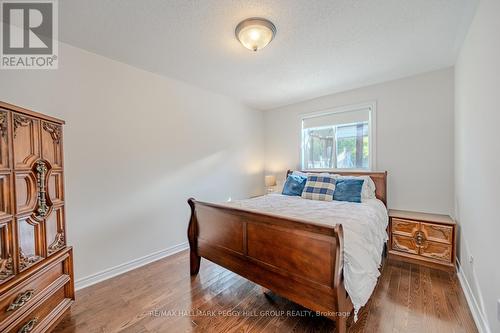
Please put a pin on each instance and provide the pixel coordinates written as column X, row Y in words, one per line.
column 368, row 190
column 299, row 173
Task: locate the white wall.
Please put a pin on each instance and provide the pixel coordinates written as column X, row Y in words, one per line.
column 137, row 145
column 414, row 140
column 477, row 159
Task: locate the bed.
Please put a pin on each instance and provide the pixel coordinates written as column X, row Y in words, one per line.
column 285, row 245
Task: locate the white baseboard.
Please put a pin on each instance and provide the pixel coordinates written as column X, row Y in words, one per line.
column 128, row 266
column 477, row 314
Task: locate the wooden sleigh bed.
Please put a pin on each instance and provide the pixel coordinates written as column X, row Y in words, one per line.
column 299, row 260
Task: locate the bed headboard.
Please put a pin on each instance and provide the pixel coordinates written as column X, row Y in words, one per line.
column 379, row 178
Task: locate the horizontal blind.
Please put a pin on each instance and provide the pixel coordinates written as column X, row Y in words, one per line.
column 337, row 118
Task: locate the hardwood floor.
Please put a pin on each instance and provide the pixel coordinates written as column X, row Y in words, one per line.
column 161, row 297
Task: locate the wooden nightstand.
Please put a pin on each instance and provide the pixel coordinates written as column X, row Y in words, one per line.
column 423, row 238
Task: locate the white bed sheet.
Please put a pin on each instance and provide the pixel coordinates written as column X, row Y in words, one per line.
column 364, row 225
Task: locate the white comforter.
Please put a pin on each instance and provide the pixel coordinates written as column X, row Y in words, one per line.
column 364, row 227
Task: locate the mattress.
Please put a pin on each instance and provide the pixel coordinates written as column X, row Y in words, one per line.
column 364, row 225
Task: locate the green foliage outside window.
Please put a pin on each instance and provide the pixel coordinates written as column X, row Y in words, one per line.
column 336, row 147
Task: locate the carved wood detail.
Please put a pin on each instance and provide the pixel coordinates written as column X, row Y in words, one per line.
column 446, row 233
column 404, row 244
column 6, row 262
column 21, row 121
column 26, row 261
column 4, row 140
column 397, row 246
column 437, row 251
column 26, row 141
column 405, row 228
column 54, row 130
column 57, row 244
column 6, row 268
column 3, row 124
column 445, row 255
column 437, row 233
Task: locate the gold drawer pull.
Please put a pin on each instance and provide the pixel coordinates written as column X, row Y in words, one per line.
column 21, row 299
column 419, row 238
column 41, row 174
column 28, row 326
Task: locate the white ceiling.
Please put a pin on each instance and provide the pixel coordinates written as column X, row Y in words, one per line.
column 321, row 47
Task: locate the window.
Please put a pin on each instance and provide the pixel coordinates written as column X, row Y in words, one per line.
column 338, row 139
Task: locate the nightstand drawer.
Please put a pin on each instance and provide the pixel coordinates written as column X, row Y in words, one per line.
column 438, row 251
column 404, row 227
column 438, row 233
column 422, row 238
column 404, row 244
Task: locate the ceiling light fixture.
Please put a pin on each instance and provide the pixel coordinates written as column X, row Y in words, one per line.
column 255, row 33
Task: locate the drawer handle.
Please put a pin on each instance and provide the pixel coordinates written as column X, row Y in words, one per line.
column 41, row 174
column 419, row 238
column 28, row 326
column 20, row 300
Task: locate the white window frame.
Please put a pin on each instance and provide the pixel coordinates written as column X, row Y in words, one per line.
column 372, row 130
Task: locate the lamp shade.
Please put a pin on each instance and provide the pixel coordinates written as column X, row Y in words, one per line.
column 270, row 180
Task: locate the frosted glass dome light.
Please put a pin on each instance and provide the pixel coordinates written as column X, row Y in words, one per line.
column 255, row 33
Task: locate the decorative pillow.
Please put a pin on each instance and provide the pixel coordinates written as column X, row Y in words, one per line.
column 319, row 188
column 294, row 185
column 368, row 191
column 348, row 190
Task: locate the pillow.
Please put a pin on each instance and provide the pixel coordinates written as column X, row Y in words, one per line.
column 305, row 174
column 348, row 190
column 368, row 191
column 319, row 188
column 294, row 185
column 299, row 173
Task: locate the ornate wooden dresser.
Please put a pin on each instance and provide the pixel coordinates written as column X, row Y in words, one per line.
column 424, row 238
column 36, row 267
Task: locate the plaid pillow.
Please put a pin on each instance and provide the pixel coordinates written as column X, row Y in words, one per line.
column 319, row 188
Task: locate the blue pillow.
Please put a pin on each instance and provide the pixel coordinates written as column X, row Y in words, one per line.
column 294, row 185
column 348, row 190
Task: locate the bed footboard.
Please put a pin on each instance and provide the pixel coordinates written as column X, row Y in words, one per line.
column 296, row 259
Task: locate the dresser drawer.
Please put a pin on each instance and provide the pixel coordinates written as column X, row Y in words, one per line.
column 437, row 233
column 18, row 299
column 42, row 315
column 438, row 251
column 404, row 227
column 404, row 244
